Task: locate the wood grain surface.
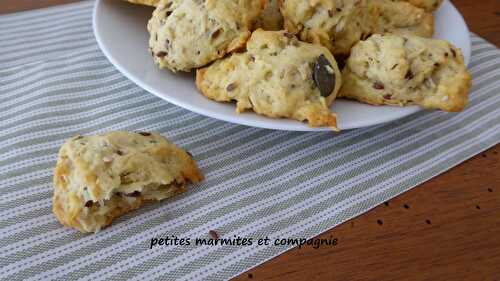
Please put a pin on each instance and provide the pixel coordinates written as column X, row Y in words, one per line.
column 445, row 229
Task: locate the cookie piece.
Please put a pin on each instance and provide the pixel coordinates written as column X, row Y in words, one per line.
column 187, row 34
column 98, row 178
column 406, row 70
column 338, row 25
column 401, row 18
column 428, row 5
column 151, row 3
column 271, row 18
column 278, row 76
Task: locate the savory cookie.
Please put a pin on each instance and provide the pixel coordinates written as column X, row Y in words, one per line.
column 403, row 70
column 98, row 178
column 152, row 3
column 428, row 5
column 338, row 25
column 401, row 18
column 277, row 76
column 187, row 34
column 271, row 18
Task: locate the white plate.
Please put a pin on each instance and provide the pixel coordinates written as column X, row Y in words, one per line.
column 120, row 29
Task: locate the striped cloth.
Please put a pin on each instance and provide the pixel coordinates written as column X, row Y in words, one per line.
column 55, row 83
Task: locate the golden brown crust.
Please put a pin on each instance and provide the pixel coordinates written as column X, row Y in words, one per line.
column 98, row 178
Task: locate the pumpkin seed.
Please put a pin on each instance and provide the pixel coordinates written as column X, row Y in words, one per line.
column 324, row 76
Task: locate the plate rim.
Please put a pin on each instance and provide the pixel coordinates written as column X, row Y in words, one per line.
column 242, row 121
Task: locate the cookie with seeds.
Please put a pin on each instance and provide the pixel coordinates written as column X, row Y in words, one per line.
column 98, row 178
column 407, row 70
column 187, row 34
column 278, row 76
column 338, row 25
column 401, row 18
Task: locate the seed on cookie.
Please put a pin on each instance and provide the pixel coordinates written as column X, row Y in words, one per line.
column 378, row 86
column 231, row 87
column 324, row 76
column 107, row 159
column 409, row 75
column 216, row 33
column 161, row 54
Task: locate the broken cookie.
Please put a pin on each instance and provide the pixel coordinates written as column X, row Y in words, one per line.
column 98, row 178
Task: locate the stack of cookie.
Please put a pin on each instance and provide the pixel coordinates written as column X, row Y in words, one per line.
column 279, row 57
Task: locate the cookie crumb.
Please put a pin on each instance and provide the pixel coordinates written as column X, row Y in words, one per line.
column 213, row 234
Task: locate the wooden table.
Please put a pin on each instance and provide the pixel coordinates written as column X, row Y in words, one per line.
column 445, row 229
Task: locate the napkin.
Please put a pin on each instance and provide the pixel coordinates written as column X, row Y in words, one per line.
column 56, row 83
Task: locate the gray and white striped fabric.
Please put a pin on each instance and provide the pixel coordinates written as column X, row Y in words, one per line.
column 55, row 83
